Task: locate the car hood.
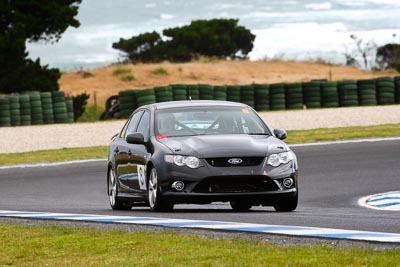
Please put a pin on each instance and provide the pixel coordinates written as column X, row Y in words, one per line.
column 232, row 145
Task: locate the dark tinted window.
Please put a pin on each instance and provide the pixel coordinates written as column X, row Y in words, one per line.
column 130, row 126
column 208, row 120
column 144, row 126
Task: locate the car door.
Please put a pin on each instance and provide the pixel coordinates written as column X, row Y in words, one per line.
column 139, row 154
column 124, row 168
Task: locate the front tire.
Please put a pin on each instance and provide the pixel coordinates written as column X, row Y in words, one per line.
column 115, row 202
column 286, row 204
column 155, row 201
column 240, row 205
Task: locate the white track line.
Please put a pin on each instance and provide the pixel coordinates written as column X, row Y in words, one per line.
column 213, row 225
column 384, row 201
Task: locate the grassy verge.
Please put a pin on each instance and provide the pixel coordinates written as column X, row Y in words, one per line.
column 54, row 155
column 333, row 134
column 52, row 246
column 297, row 136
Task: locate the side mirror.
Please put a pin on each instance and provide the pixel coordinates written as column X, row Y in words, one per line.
column 280, row 134
column 135, row 138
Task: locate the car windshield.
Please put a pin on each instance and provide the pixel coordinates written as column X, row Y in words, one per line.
column 208, row 120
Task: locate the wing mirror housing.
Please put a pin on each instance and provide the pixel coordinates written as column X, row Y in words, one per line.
column 280, row 134
column 135, row 138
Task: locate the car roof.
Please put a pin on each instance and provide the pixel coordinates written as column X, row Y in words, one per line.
column 194, row 103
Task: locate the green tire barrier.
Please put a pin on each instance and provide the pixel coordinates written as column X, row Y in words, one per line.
column 179, row 92
column 163, row 93
column 385, row 90
column 70, row 108
column 348, row 93
column 15, row 113
column 59, row 107
column 25, row 109
column 127, row 100
column 277, row 98
column 206, row 91
column 47, row 107
column 294, row 95
column 145, row 97
column 312, row 94
column 329, row 95
column 261, row 96
column 5, row 114
column 233, row 93
column 247, row 95
column 193, row 91
column 367, row 92
column 220, row 93
column 397, row 89
column 36, row 108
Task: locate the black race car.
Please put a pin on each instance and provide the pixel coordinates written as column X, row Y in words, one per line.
column 200, row 152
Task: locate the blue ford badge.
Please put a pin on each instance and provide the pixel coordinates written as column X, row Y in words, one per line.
column 235, row 161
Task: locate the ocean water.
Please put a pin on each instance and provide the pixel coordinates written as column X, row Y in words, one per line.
column 286, row 29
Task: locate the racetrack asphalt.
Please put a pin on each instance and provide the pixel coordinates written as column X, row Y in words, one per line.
column 332, row 179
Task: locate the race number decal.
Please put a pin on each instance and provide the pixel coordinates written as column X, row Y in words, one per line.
column 141, row 177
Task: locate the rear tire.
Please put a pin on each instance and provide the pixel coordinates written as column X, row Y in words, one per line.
column 112, row 190
column 286, row 204
column 155, row 201
column 240, row 205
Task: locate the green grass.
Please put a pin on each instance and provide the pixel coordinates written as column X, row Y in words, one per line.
column 92, row 113
column 54, row 155
column 297, row 136
column 58, row 246
column 121, row 71
column 159, row 71
column 333, row 134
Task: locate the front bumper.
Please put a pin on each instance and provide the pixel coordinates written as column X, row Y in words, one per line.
column 262, row 184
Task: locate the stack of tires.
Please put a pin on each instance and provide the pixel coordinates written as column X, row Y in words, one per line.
column 397, row 88
column 179, row 92
column 70, row 108
column 220, row 93
column 36, row 109
column 247, row 95
column 25, row 109
column 163, row 94
column 206, row 91
column 367, row 92
column 193, row 92
column 348, row 93
column 294, row 96
column 15, row 113
column 5, row 119
column 145, row 97
column 127, row 103
column 385, row 89
column 277, row 96
column 312, row 94
column 261, row 96
column 233, row 93
column 329, row 95
column 47, row 107
column 59, row 107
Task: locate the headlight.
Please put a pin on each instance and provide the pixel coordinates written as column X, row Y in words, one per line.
column 190, row 161
column 278, row 159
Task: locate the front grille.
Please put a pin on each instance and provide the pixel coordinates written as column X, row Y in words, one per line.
column 224, row 162
column 235, row 185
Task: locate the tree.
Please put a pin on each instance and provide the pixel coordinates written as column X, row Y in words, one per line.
column 33, row 20
column 388, row 56
column 363, row 50
column 221, row 38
